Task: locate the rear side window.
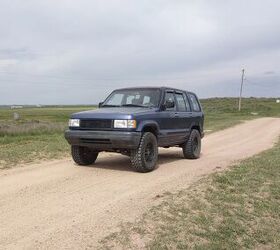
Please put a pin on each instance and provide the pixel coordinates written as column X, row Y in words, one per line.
column 194, row 103
column 181, row 102
column 187, row 103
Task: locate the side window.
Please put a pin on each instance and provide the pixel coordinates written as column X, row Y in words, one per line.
column 187, row 103
column 170, row 95
column 180, row 102
column 194, row 103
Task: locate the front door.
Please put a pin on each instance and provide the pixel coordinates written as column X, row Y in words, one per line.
column 169, row 122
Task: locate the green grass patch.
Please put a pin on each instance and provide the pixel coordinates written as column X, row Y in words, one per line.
column 235, row 209
column 260, row 106
column 17, row 150
column 221, row 113
column 37, row 135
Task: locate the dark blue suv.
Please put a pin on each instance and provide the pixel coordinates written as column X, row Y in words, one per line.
column 135, row 122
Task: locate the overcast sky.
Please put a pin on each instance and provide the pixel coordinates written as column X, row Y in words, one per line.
column 77, row 52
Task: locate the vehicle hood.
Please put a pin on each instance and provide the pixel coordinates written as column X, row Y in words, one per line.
column 113, row 113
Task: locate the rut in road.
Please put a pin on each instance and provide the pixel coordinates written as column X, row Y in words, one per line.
column 59, row 205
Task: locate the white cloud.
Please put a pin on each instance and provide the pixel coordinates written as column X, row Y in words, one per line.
column 52, row 51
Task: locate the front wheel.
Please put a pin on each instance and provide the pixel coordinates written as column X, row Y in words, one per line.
column 192, row 147
column 144, row 158
column 83, row 155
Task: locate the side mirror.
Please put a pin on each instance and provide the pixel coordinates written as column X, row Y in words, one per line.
column 169, row 103
column 100, row 104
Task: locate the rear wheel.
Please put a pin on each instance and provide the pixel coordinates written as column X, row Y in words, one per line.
column 144, row 158
column 83, row 155
column 192, row 147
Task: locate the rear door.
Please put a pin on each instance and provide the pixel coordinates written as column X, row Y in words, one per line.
column 184, row 115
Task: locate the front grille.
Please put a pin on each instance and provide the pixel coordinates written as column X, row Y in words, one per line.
column 96, row 124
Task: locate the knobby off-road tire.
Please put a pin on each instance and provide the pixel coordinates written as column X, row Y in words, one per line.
column 192, row 147
column 83, row 155
column 144, row 158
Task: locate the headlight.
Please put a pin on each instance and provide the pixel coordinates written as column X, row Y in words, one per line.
column 124, row 124
column 74, row 123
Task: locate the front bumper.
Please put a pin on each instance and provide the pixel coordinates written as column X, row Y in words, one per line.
column 103, row 140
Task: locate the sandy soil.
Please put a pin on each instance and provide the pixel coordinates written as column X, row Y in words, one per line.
column 59, row 205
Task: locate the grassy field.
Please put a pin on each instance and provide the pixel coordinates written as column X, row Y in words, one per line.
column 38, row 133
column 221, row 113
column 235, row 209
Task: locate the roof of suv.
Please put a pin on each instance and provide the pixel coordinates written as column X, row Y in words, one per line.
column 155, row 87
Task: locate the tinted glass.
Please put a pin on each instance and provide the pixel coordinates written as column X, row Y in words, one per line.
column 180, row 102
column 170, row 96
column 194, row 102
column 187, row 103
column 134, row 97
column 115, row 99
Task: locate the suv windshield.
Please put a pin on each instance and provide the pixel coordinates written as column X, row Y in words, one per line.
column 133, row 98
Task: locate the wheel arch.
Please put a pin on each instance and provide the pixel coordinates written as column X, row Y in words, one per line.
column 197, row 127
column 149, row 126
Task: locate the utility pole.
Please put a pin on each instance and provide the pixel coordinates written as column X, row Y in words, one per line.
column 241, row 88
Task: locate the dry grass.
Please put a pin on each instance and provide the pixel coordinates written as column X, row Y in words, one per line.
column 236, row 209
column 31, row 127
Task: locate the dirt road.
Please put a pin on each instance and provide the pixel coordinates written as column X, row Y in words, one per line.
column 59, row 205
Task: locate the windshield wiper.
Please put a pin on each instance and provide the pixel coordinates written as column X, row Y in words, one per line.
column 108, row 105
column 133, row 105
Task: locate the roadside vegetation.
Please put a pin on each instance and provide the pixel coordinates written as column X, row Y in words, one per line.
column 235, row 209
column 37, row 133
column 221, row 113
